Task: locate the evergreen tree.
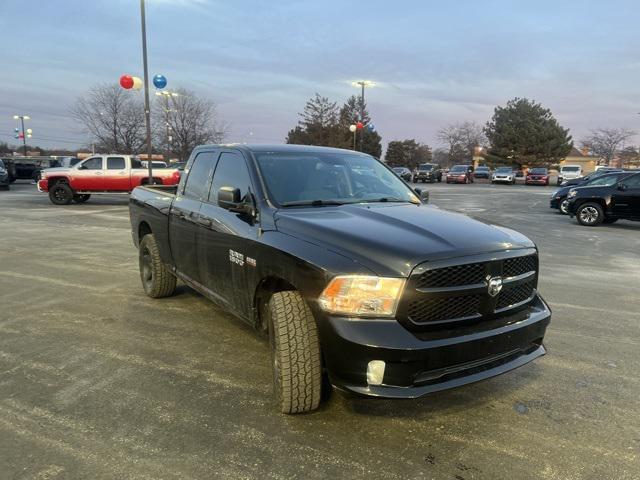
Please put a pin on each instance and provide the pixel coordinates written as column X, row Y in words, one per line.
column 527, row 133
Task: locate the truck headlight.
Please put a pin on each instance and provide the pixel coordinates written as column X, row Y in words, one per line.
column 572, row 193
column 362, row 295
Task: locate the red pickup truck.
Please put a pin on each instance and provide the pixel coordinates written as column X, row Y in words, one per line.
column 100, row 174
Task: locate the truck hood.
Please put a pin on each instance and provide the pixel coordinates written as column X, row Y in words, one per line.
column 53, row 171
column 391, row 239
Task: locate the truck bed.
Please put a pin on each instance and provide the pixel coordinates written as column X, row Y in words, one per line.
column 153, row 204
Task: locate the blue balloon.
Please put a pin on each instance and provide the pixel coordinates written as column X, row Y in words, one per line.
column 16, row 129
column 371, row 127
column 160, row 81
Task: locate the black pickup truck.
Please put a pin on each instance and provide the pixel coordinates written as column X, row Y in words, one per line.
column 353, row 278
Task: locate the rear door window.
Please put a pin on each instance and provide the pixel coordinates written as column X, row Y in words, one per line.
column 115, row 163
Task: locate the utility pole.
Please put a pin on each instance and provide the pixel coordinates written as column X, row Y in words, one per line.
column 147, row 112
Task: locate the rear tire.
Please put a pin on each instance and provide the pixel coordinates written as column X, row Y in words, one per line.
column 81, row 198
column 60, row 194
column 295, row 353
column 589, row 214
column 157, row 280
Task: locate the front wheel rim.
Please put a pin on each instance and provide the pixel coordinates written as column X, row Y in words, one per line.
column 589, row 215
column 60, row 194
column 146, row 270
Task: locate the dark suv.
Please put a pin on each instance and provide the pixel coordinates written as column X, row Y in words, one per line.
column 559, row 197
column 428, row 172
column 4, row 176
column 593, row 205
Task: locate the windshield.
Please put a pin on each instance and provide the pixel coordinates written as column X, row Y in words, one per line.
column 570, row 169
column 301, row 178
column 538, row 171
column 504, row 170
column 425, row 166
column 458, row 169
column 398, row 169
column 482, row 169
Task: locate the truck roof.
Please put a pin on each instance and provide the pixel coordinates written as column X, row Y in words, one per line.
column 281, row 148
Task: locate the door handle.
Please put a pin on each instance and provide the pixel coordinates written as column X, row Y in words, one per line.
column 98, row 173
column 204, row 221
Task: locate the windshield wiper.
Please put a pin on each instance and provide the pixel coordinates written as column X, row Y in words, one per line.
column 312, row 203
column 386, row 199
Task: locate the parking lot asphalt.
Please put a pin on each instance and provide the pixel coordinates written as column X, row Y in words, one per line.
column 99, row 381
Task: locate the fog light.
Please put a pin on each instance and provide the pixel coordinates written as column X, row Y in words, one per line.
column 375, row 372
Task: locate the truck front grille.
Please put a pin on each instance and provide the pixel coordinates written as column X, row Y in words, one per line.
column 448, row 292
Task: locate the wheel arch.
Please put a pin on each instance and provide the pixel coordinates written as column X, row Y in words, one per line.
column 264, row 290
column 143, row 229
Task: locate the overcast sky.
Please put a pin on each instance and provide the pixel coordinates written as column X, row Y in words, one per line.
column 435, row 62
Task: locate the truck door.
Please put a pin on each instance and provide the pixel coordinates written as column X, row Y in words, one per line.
column 89, row 176
column 625, row 198
column 183, row 226
column 226, row 239
column 116, row 177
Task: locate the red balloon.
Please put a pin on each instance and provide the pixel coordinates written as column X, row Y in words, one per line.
column 21, row 135
column 359, row 126
column 126, row 81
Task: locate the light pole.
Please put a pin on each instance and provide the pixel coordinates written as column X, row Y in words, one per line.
column 362, row 84
column 167, row 94
column 147, row 112
column 22, row 118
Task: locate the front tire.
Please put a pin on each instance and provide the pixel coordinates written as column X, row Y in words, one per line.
column 157, row 280
column 60, row 194
column 564, row 206
column 295, row 353
column 590, row 214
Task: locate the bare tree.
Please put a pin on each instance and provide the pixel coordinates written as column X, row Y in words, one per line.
column 605, row 142
column 186, row 121
column 112, row 117
column 461, row 139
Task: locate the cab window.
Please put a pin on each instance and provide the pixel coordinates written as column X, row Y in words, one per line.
column 633, row 181
column 92, row 164
column 230, row 172
column 199, row 174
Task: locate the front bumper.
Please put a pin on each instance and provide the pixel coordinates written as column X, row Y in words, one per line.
column 428, row 362
column 4, row 180
column 530, row 181
column 502, row 180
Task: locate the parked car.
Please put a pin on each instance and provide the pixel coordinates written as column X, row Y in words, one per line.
column 428, row 172
column 404, row 173
column 302, row 243
column 596, row 204
column 100, row 174
column 559, row 197
column 482, row 172
column 27, row 168
column 504, row 175
column 4, row 176
column 460, row 174
column 537, row 176
column 569, row 172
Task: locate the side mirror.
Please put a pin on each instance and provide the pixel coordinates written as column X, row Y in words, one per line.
column 229, row 199
column 622, row 187
column 423, row 194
